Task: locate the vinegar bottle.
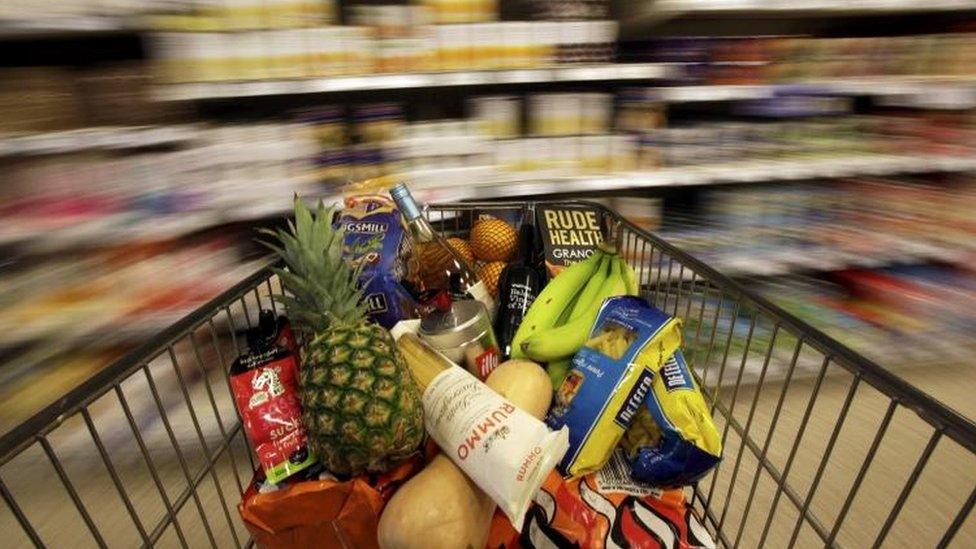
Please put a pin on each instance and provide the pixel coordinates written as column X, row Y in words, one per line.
column 518, row 285
column 433, row 265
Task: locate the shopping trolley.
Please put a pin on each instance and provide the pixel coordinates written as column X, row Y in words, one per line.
column 822, row 447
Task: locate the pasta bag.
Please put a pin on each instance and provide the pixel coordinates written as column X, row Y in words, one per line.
column 610, row 378
column 673, row 441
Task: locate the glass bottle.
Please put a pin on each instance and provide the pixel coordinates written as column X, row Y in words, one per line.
column 433, row 265
column 518, row 285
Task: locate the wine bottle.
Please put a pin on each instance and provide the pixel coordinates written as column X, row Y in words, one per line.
column 432, row 264
column 518, row 285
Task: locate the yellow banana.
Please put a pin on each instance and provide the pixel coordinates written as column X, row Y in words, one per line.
column 592, row 288
column 556, row 297
column 563, row 341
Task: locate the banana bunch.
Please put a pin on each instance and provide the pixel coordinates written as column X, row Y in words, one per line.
column 559, row 321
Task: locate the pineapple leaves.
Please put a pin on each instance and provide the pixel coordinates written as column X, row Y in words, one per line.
column 321, row 287
column 303, row 220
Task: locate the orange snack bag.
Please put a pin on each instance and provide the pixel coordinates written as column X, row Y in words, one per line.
column 322, row 513
column 586, row 512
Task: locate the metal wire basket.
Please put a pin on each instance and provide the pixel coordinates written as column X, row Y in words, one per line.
column 822, row 447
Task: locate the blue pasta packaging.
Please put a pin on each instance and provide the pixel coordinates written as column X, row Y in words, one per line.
column 375, row 238
column 672, row 440
column 610, row 378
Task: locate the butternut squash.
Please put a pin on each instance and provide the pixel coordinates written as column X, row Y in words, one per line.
column 441, row 508
column 525, row 384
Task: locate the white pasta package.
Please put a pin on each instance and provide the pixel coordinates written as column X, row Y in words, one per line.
column 507, row 452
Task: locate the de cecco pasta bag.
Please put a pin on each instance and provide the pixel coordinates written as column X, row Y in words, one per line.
column 673, row 441
column 610, row 379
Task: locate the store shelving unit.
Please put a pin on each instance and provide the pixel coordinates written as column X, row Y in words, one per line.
column 141, row 227
column 622, row 73
column 609, row 72
column 60, row 26
column 756, row 171
column 88, row 139
column 876, row 86
column 817, row 8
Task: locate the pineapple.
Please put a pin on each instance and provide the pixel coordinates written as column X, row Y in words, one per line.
column 360, row 404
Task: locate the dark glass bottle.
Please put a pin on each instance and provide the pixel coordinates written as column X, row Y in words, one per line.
column 518, row 285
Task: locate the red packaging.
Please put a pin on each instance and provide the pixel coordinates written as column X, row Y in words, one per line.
column 597, row 512
column 265, row 387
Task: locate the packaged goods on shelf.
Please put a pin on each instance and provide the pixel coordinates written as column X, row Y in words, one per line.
column 645, row 213
column 381, row 39
column 569, row 9
column 461, row 11
column 222, row 174
column 324, row 147
column 587, row 42
column 638, row 111
column 902, row 317
column 802, row 138
column 239, row 15
column 42, row 99
column 498, row 117
column 554, row 114
column 774, row 59
column 821, row 226
column 111, row 299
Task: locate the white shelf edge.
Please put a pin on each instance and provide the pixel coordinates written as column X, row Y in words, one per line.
column 736, row 173
column 673, row 8
column 95, row 138
column 569, row 73
column 879, row 86
column 63, row 25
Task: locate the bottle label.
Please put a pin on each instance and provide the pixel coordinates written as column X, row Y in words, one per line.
column 270, row 409
column 520, row 297
column 480, row 292
column 504, row 450
column 486, row 362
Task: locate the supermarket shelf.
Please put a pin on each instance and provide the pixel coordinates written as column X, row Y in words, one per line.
column 117, row 229
column 125, row 226
column 130, row 227
column 587, row 73
column 757, row 171
column 790, row 261
column 67, row 25
column 107, row 138
column 818, row 8
column 961, row 89
column 120, row 320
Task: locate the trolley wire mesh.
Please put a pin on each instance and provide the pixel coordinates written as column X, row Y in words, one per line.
column 821, row 446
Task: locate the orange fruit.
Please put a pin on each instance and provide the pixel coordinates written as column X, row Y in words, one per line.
column 493, row 240
column 462, row 249
column 489, row 273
